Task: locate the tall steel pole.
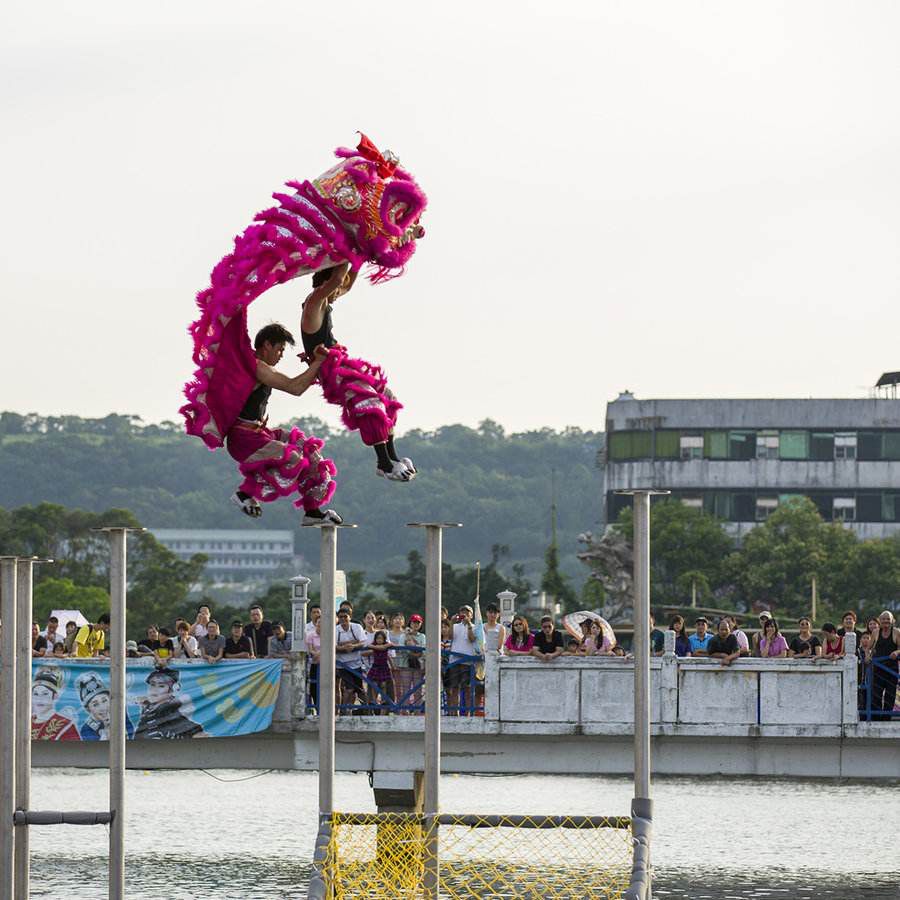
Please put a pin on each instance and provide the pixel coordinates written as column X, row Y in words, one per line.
column 117, row 713
column 642, row 644
column 8, row 578
column 432, row 806
column 24, row 574
column 328, row 565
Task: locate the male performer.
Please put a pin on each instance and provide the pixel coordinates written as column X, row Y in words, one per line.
column 275, row 464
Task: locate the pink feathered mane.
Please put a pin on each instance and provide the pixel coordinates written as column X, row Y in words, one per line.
column 350, row 214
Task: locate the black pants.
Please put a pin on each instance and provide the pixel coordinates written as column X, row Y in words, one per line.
column 313, row 686
column 884, row 689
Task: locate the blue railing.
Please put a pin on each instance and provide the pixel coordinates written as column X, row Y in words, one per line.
column 880, row 684
column 462, row 688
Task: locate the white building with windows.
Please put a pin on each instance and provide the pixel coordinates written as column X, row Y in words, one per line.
column 234, row 554
column 738, row 459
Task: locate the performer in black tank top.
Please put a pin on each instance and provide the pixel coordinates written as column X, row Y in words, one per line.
column 323, row 336
column 274, row 462
column 885, row 652
column 255, row 408
column 358, row 387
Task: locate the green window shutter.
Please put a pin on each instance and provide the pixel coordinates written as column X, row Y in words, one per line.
column 890, row 506
column 715, row 445
column 794, row 444
column 668, row 444
column 620, row 445
column 642, row 444
column 892, row 445
column 630, row 444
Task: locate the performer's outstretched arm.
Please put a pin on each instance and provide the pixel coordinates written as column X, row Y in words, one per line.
column 268, row 376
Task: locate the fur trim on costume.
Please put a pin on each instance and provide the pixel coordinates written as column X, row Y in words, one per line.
column 360, row 389
column 300, row 469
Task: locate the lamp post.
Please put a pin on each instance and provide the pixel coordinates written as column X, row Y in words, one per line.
column 507, row 601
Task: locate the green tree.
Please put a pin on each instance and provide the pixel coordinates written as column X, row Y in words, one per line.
column 778, row 559
column 682, row 540
column 868, row 579
column 63, row 593
column 592, row 595
column 553, row 582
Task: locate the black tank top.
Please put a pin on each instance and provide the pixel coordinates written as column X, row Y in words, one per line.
column 322, row 336
column 885, row 646
column 255, row 408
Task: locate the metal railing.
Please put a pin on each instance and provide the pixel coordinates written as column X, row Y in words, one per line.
column 879, row 688
column 404, row 695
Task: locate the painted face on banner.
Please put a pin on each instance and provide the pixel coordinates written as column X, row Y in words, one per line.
column 158, row 688
column 99, row 708
column 42, row 701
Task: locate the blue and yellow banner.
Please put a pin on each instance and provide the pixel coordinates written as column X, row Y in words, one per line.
column 70, row 699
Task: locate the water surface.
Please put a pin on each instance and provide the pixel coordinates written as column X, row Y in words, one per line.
column 191, row 835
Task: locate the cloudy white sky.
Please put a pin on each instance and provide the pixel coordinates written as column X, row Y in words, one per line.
column 683, row 199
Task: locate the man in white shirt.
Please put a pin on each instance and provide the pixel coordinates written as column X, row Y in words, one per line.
column 349, row 639
column 52, row 634
column 460, row 671
column 315, row 613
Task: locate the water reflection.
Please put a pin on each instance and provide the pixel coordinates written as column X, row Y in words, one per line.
column 178, row 877
column 190, row 837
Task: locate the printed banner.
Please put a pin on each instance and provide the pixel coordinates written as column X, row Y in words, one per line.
column 70, row 699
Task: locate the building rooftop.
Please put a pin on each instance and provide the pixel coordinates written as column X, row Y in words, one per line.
column 222, row 534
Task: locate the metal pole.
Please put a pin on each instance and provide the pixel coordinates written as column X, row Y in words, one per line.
column 328, row 565
column 23, row 720
column 432, row 693
column 814, row 599
column 117, row 735
column 8, row 566
column 432, row 882
column 642, row 645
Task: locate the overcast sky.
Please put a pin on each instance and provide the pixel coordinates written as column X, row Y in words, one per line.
column 683, row 199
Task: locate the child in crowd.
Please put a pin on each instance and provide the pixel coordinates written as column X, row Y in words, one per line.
column 380, row 671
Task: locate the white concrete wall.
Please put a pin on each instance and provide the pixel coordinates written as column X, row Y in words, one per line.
column 750, row 692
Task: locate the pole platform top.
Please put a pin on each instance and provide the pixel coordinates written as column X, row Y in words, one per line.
column 434, row 525
column 330, row 525
column 633, row 491
column 125, row 528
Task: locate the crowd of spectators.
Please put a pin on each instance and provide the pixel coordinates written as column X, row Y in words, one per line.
column 380, row 663
column 201, row 639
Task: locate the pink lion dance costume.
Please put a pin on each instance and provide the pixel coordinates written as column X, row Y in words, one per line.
column 365, row 209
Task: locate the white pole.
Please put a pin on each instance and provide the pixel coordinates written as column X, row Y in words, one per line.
column 642, row 645
column 328, row 565
column 117, row 734
column 8, row 731
column 432, row 705
column 23, row 720
column 432, row 807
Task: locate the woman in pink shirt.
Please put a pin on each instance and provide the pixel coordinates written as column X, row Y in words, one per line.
column 520, row 639
column 772, row 644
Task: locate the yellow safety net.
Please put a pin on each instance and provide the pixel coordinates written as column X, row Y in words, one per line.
column 392, row 855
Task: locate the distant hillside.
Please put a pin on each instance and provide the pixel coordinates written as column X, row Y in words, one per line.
column 497, row 484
